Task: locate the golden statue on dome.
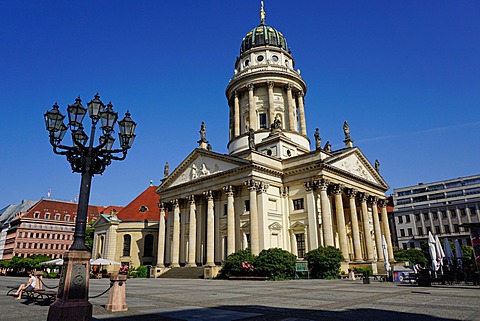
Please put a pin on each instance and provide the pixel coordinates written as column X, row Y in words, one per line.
column 262, row 13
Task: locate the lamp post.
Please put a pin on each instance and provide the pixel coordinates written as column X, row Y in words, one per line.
column 88, row 160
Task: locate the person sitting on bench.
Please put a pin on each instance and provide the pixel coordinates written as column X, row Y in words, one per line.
column 29, row 286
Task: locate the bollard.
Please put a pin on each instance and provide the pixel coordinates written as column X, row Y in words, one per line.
column 117, row 296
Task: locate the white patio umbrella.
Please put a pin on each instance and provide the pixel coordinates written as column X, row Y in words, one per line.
column 433, row 253
column 53, row 262
column 458, row 254
column 440, row 253
column 101, row 261
column 385, row 253
column 448, row 252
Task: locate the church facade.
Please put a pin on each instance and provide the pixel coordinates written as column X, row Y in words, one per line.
column 272, row 189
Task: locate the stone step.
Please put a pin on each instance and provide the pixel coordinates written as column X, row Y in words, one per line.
column 184, row 273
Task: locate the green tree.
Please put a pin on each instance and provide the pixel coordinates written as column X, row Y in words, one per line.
column 413, row 256
column 89, row 232
column 232, row 266
column 276, row 264
column 324, row 262
column 468, row 256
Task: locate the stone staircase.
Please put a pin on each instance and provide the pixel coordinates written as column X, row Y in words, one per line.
column 184, row 273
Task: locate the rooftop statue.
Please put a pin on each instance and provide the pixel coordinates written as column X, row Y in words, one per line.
column 346, row 130
column 166, row 169
column 318, row 140
column 203, row 133
column 327, row 147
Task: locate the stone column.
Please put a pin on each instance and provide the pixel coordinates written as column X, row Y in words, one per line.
column 301, row 111
column 254, row 241
column 377, row 228
column 342, row 231
column 210, row 230
column 236, row 115
column 176, row 234
column 110, row 240
column 386, row 229
column 161, row 237
column 450, row 224
column 230, row 220
column 291, row 112
column 366, row 226
column 252, row 115
column 440, row 222
column 271, row 106
column 326, row 213
column 357, row 247
column 293, row 240
column 192, row 233
column 244, row 241
column 312, row 216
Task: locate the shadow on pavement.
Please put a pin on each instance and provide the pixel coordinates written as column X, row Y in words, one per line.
column 273, row 313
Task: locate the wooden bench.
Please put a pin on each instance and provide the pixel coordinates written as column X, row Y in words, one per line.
column 37, row 294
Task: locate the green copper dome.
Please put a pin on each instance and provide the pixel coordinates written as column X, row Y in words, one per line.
column 264, row 35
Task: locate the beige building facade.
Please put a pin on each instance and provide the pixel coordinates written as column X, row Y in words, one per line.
column 272, row 189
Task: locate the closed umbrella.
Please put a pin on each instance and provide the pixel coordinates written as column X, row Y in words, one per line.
column 448, row 252
column 458, row 254
column 433, row 253
column 385, row 253
column 440, row 253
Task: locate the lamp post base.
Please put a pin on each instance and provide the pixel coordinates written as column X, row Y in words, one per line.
column 72, row 298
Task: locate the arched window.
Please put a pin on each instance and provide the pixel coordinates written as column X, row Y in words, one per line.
column 127, row 240
column 148, row 245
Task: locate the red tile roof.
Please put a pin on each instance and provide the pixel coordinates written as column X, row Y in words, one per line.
column 144, row 207
column 59, row 207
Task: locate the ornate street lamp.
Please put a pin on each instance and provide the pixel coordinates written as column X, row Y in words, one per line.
column 72, row 299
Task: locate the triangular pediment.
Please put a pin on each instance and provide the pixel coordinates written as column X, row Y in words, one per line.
column 356, row 164
column 275, row 226
column 201, row 164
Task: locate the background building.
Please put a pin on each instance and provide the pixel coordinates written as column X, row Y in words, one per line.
column 46, row 228
column 438, row 207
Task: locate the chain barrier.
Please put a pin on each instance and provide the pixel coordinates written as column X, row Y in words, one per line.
column 96, row 296
column 41, row 281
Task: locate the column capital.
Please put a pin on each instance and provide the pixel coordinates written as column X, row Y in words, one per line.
column 191, row 199
column 161, row 206
column 363, row 197
column 300, row 93
column 288, row 87
column 262, row 187
column 208, row 195
column 270, row 84
column 229, row 190
column 373, row 200
column 175, row 203
column 251, row 184
column 235, row 93
column 337, row 189
column 284, row 191
column 323, row 184
column 309, row 186
column 250, row 87
column 382, row 202
column 351, row 192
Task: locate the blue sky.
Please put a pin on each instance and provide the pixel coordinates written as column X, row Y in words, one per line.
column 404, row 74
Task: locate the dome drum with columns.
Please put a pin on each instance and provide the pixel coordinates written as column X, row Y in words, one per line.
column 271, row 190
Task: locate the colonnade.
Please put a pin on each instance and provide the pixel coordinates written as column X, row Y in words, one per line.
column 294, row 100
column 327, row 221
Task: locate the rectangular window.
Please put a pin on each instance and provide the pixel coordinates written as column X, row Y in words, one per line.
column 417, row 217
column 57, row 217
column 247, row 206
column 453, row 213
column 402, row 232
column 419, row 231
column 404, row 245
column 446, row 228
column 300, row 245
column 412, row 245
column 263, row 120
column 407, row 218
column 463, row 213
column 429, row 229
column 456, row 229
column 36, row 215
column 437, row 229
column 67, row 217
column 225, row 209
column 298, row 205
column 410, row 232
column 400, row 219
column 472, row 211
column 47, row 216
column 435, row 215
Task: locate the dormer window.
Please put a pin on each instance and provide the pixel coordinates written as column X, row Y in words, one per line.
column 143, row 209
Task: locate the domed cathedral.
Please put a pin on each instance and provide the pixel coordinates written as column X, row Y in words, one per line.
column 271, row 189
column 267, row 93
